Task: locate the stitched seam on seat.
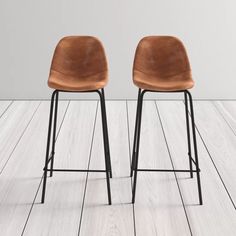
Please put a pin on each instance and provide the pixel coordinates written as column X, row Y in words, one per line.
column 162, row 76
column 80, row 76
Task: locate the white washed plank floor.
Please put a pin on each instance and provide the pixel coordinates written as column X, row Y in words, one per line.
column 76, row 203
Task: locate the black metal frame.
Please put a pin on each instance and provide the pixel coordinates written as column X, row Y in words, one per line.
column 135, row 153
column 50, row 157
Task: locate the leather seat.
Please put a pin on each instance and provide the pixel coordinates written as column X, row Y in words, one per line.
column 161, row 64
column 78, row 64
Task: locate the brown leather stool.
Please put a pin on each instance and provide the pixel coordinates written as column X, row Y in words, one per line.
column 78, row 65
column 161, row 65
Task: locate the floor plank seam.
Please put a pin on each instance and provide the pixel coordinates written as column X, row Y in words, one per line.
column 222, row 181
column 129, row 140
column 177, row 182
column 86, row 180
column 59, row 129
column 209, row 154
column 32, row 205
column 6, row 109
column 19, row 139
column 221, row 114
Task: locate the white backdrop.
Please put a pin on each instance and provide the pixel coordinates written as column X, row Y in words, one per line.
column 30, row 30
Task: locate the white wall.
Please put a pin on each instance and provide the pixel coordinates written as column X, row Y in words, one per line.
column 30, row 30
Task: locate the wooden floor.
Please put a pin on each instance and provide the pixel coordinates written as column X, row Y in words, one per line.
column 76, row 203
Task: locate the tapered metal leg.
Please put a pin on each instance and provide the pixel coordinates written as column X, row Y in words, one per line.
column 102, row 102
column 138, row 141
column 54, row 134
column 107, row 137
column 195, row 149
column 48, row 147
column 135, row 137
column 188, row 135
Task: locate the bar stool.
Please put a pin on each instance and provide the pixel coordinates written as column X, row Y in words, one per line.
column 161, row 65
column 78, row 65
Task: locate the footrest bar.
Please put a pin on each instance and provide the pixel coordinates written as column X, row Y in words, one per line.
column 166, row 170
column 74, row 170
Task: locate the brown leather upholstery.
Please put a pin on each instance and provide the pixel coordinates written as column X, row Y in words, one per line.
column 161, row 64
column 78, row 64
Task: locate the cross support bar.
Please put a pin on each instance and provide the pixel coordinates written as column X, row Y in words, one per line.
column 166, row 170
column 74, row 170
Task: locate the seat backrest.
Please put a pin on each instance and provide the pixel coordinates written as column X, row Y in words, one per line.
column 161, row 56
column 79, row 56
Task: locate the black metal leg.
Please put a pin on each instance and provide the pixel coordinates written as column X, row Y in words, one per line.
column 138, row 140
column 102, row 102
column 54, row 134
column 107, row 137
column 135, row 154
column 195, row 149
column 48, row 146
column 188, row 135
column 52, row 128
column 135, row 137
